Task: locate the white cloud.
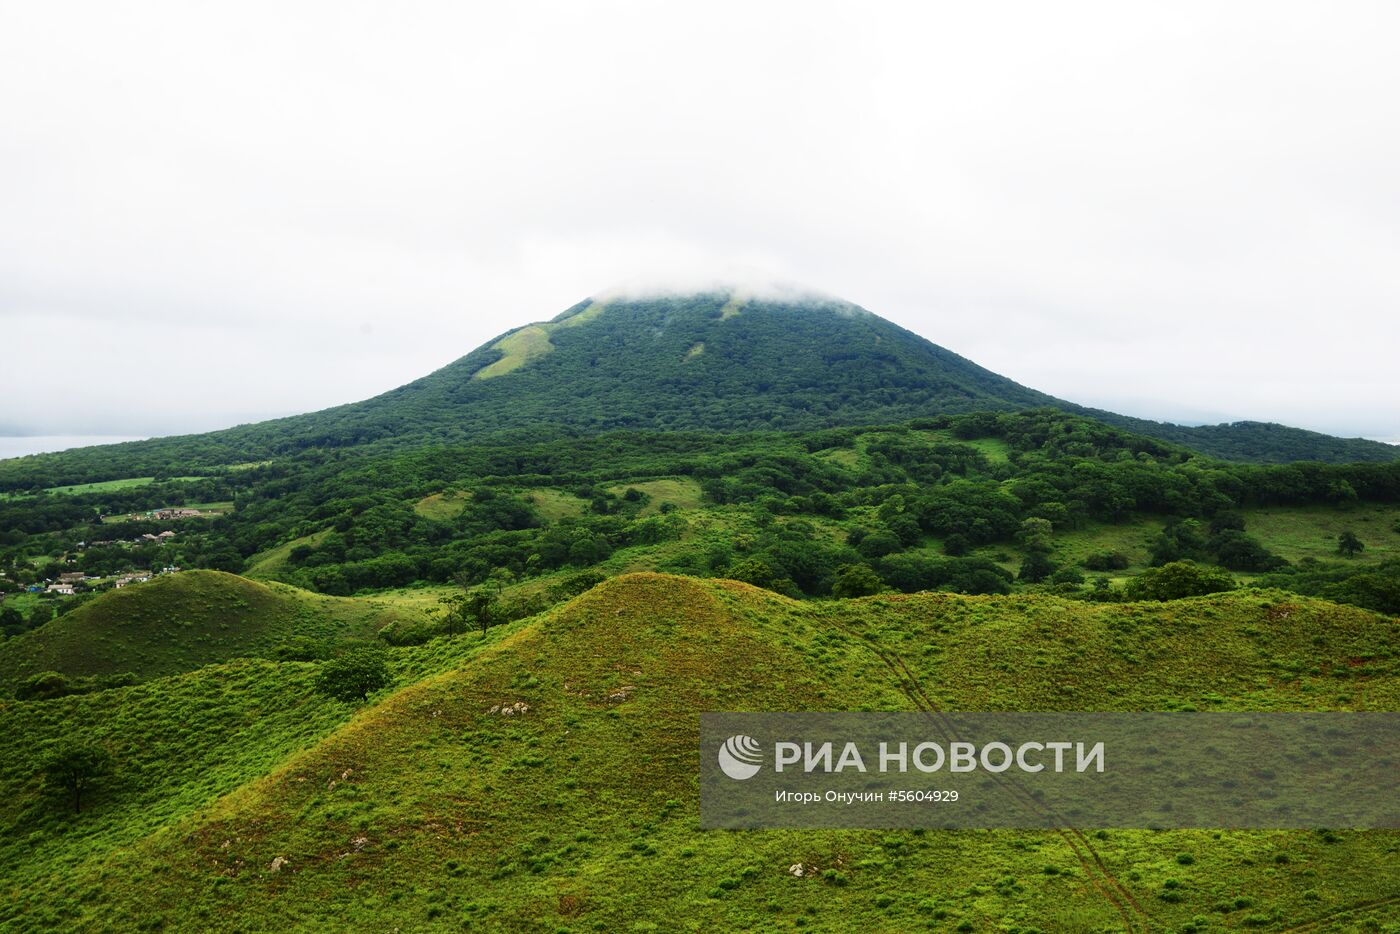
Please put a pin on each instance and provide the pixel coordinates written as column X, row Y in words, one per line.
column 218, row 213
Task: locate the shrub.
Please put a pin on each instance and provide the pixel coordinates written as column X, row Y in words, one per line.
column 51, row 684
column 354, row 675
column 1036, row 567
column 399, row 632
column 43, row 686
column 956, row 545
column 1241, row 552
column 301, row 649
column 1178, row 579
column 1106, row 561
column 879, row 543
column 856, row 580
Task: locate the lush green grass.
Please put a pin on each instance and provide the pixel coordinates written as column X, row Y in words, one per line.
column 1292, row 532
column 553, row 505
column 183, row 621
column 680, row 492
column 517, row 349
column 108, row 486
column 268, row 563
column 225, row 505
column 849, row 458
column 104, row 486
column 442, row 506
column 22, row 601
column 1132, row 538
column 996, row 450
column 1311, row 531
column 178, row 744
column 429, row 812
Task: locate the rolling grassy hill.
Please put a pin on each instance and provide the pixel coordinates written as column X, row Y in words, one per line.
column 430, row 810
column 184, row 621
column 711, row 361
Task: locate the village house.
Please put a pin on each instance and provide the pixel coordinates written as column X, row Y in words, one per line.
column 133, row 578
column 60, row 588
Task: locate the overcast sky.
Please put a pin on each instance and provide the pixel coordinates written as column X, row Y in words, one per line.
column 215, row 213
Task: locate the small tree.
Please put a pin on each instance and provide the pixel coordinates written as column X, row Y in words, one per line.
column 956, row 545
column 1035, row 567
column 1178, row 579
column 478, row 605
column 73, row 769
column 354, row 675
column 483, row 603
column 856, row 580
column 753, row 571
column 1348, row 544
column 1035, row 535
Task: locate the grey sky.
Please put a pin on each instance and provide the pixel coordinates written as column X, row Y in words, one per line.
column 212, row 213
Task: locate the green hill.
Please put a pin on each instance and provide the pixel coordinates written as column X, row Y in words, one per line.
column 183, row 621
column 430, row 810
column 707, row 361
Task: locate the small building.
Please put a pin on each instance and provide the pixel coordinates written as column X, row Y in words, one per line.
column 59, row 588
column 72, row 577
column 176, row 513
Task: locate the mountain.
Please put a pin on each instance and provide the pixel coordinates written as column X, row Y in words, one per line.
column 715, row 360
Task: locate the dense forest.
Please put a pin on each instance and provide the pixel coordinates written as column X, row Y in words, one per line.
column 976, row 503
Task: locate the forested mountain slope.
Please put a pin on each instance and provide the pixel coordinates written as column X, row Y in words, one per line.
column 709, row 361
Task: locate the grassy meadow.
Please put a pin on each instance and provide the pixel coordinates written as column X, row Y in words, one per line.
column 427, row 809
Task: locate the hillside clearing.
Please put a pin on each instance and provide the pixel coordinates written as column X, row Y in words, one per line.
column 442, row 506
column 518, row 349
column 554, row 505
column 682, row 493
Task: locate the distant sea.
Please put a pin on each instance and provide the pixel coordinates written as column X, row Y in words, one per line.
column 17, row 446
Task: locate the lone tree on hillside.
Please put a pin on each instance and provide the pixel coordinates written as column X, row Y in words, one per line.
column 478, row 605
column 1036, row 567
column 1178, row 579
column 1348, row 544
column 856, row 580
column 73, row 769
column 354, row 675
